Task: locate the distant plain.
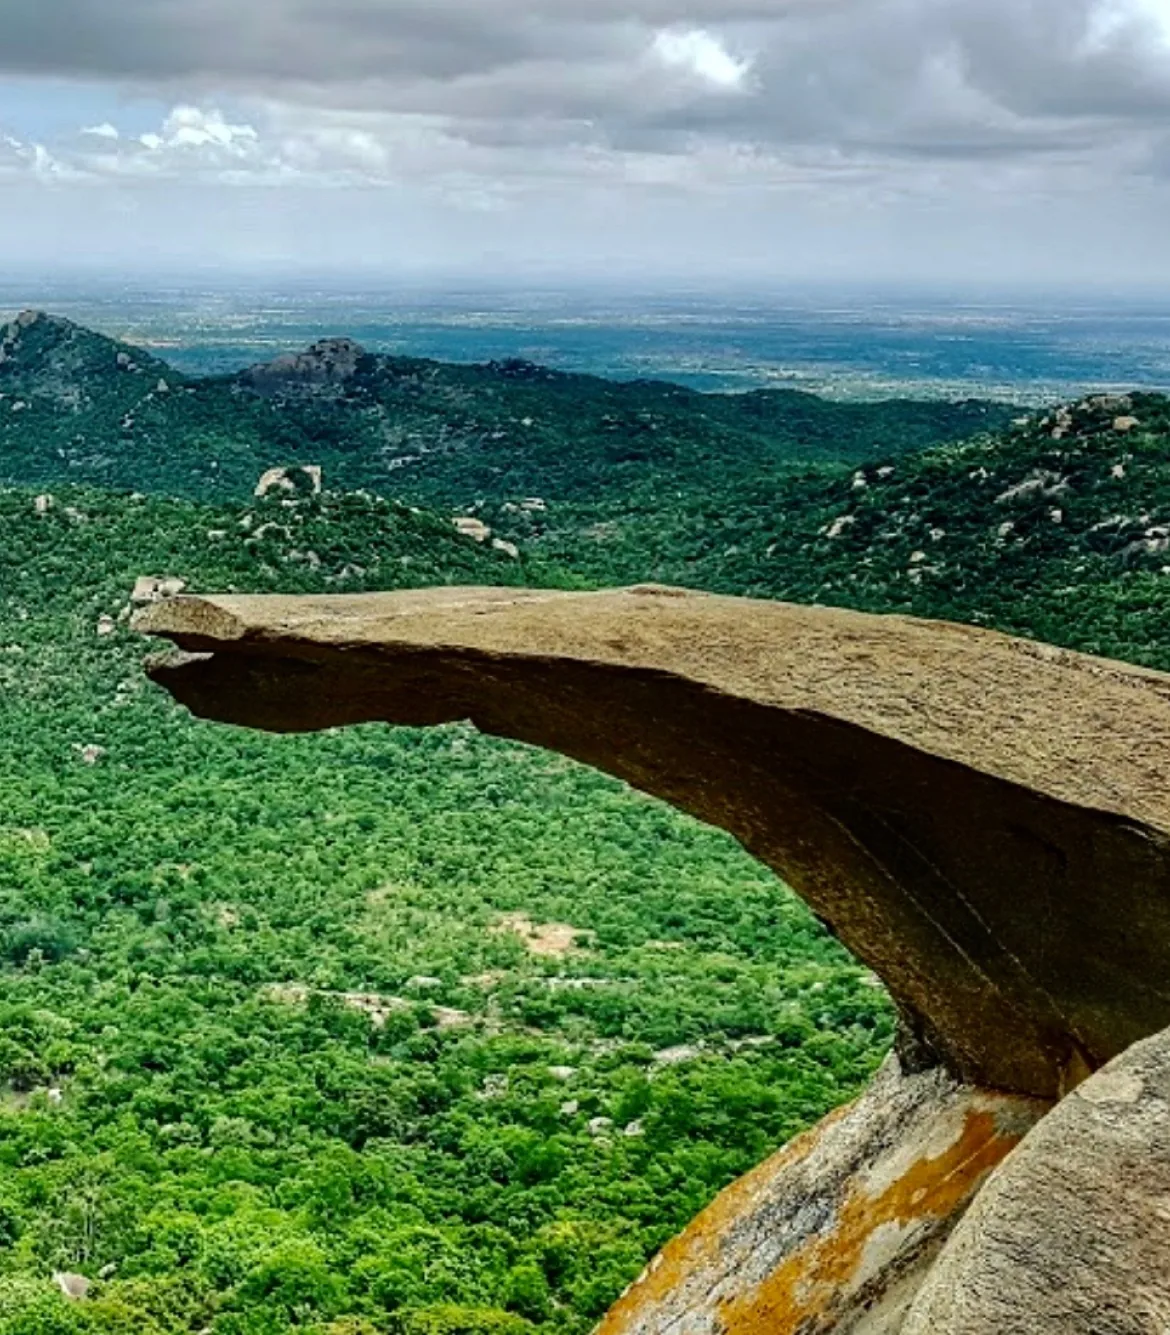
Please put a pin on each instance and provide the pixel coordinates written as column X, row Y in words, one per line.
column 1036, row 349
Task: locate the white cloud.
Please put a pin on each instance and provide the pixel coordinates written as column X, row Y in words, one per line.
column 703, row 55
column 22, row 158
column 103, row 131
column 192, row 127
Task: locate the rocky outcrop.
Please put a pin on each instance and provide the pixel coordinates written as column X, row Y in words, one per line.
column 330, row 361
column 838, row 1231
column 984, row 821
column 1072, row 1235
column 473, row 528
column 153, row 588
column 303, row 480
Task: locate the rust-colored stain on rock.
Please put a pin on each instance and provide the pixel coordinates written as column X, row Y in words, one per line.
column 693, row 1251
column 809, row 1282
column 806, row 1291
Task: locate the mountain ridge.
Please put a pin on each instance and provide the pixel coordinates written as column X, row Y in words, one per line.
column 112, row 415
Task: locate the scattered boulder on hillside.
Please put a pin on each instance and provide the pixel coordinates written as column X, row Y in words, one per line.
column 1107, row 404
column 152, row 589
column 73, row 1287
column 1039, row 483
column 1091, row 416
column 471, row 527
column 11, row 333
column 303, row 480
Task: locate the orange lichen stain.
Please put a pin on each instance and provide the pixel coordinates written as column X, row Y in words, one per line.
column 696, row 1248
column 809, row 1283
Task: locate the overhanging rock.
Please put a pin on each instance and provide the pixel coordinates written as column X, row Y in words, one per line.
column 983, row 821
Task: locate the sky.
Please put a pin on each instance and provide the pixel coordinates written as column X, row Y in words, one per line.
column 633, row 141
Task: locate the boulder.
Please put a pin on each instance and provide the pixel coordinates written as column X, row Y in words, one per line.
column 838, row 1231
column 473, row 528
column 983, row 821
column 153, row 588
column 305, row 480
column 1072, row 1235
column 73, row 1287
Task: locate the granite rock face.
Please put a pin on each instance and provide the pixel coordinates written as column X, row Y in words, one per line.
column 983, row 821
column 330, row 361
column 1072, row 1235
column 838, row 1231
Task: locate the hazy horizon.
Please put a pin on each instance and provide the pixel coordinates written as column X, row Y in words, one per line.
column 843, row 342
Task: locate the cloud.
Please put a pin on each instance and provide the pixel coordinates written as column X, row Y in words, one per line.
column 858, row 108
column 21, row 158
column 845, row 72
column 190, row 127
column 702, row 55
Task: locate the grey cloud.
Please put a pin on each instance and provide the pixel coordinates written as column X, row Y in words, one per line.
column 952, row 79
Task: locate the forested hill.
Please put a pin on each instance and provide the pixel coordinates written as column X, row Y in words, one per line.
column 1057, row 528
column 385, row 1032
column 75, row 403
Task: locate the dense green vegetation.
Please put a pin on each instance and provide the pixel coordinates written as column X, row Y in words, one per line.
column 396, row 1033
column 1057, row 528
column 199, row 1110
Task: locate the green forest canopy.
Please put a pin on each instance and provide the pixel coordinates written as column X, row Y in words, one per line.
column 420, row 1033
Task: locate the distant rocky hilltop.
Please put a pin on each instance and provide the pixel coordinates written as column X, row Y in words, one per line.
column 331, row 361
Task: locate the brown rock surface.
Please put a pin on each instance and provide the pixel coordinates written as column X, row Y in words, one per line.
column 1072, row 1235
column 837, row 1232
column 984, row 821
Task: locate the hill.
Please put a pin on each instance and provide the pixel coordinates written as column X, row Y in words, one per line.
column 75, row 404
column 390, row 1033
column 1056, row 528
